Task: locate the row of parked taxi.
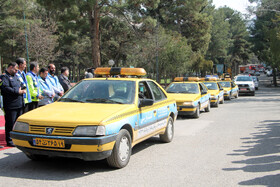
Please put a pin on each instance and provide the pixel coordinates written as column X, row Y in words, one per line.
column 104, row 117
column 193, row 94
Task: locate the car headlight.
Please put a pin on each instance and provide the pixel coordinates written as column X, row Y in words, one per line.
column 89, row 131
column 21, row 126
column 252, row 85
column 189, row 103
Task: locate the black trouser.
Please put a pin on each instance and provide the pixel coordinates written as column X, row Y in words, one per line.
column 33, row 105
column 30, row 106
column 10, row 119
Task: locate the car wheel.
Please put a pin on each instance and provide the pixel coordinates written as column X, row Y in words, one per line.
column 222, row 101
column 36, row 157
column 207, row 109
column 122, row 150
column 237, row 95
column 169, row 132
column 229, row 97
column 197, row 112
column 217, row 104
column 253, row 94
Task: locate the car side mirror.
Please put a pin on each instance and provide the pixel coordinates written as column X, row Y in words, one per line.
column 145, row 102
column 221, row 89
column 203, row 92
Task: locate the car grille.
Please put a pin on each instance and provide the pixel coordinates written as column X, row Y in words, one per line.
column 243, row 86
column 57, row 130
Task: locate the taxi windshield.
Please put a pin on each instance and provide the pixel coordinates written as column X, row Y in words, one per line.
column 211, row 85
column 190, row 88
column 225, row 84
column 101, row 91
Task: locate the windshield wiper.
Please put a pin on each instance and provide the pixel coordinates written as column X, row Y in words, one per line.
column 71, row 100
column 102, row 100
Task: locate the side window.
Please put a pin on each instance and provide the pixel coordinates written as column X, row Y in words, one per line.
column 202, row 88
column 157, row 92
column 144, row 91
column 220, row 86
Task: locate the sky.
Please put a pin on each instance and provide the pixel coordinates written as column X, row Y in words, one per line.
column 239, row 5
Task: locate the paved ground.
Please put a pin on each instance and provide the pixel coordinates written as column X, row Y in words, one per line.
column 235, row 144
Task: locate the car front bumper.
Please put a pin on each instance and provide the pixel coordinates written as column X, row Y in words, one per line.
column 186, row 110
column 86, row 148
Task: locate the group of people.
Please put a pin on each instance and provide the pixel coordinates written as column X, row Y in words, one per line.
column 23, row 92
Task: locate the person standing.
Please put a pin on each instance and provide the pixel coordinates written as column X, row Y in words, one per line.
column 21, row 62
column 55, row 82
column 13, row 99
column 46, row 87
column 33, row 84
column 63, row 79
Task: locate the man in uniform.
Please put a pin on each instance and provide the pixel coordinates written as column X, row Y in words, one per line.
column 21, row 62
column 13, row 101
column 33, row 84
column 55, row 82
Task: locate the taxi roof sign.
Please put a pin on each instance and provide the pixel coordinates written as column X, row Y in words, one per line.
column 211, row 79
column 120, row 71
column 183, row 79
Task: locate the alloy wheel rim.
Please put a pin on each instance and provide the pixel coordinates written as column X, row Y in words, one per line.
column 170, row 130
column 124, row 148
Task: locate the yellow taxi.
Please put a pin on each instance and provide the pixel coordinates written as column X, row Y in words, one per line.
column 191, row 96
column 230, row 88
column 215, row 89
column 99, row 118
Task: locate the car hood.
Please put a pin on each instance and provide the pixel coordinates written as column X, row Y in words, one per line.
column 226, row 89
column 214, row 92
column 244, row 82
column 73, row 114
column 184, row 97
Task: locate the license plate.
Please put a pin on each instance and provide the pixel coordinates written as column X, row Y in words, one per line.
column 48, row 142
column 243, row 88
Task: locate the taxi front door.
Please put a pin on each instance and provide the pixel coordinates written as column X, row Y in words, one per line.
column 204, row 95
column 152, row 118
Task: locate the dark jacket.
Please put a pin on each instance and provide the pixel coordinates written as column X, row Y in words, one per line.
column 10, row 92
column 65, row 82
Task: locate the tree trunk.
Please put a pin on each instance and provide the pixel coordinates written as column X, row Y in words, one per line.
column 94, row 20
column 274, row 77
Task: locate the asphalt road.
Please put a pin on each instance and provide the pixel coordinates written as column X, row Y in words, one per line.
column 235, row 144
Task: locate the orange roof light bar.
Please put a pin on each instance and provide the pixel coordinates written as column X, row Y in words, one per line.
column 120, row 71
column 211, row 79
column 182, row 79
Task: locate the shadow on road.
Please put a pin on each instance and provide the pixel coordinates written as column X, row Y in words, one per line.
column 17, row 165
column 261, row 149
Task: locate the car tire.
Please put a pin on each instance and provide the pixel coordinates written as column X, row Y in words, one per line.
column 207, row 109
column 253, row 94
column 169, row 132
column 197, row 112
column 223, row 100
column 36, row 157
column 217, row 104
column 122, row 150
column 237, row 95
